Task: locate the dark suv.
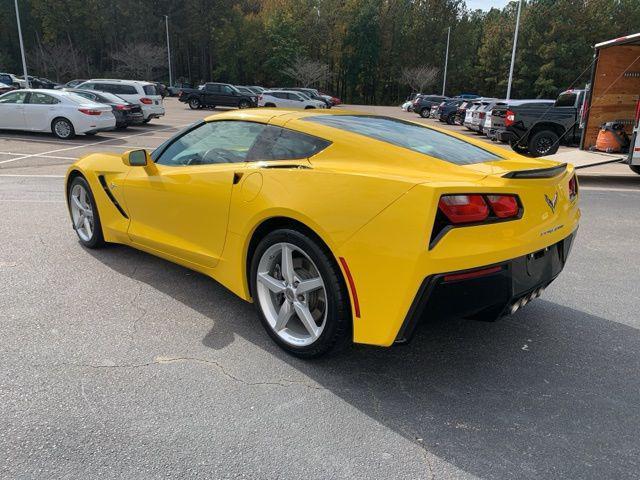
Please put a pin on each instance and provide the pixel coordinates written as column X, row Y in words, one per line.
column 213, row 95
column 423, row 103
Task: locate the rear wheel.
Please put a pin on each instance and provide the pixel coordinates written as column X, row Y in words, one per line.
column 635, row 168
column 299, row 293
column 63, row 129
column 451, row 118
column 424, row 113
column 84, row 214
column 518, row 146
column 244, row 104
column 194, row 103
column 272, row 105
column 545, row 142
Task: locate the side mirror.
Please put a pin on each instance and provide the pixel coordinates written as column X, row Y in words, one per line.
column 136, row 158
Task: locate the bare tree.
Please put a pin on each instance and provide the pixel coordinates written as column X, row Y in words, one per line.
column 139, row 60
column 59, row 60
column 307, row 72
column 419, row 78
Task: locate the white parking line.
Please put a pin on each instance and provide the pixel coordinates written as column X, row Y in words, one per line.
column 20, row 175
column 610, row 189
column 42, row 156
column 85, row 145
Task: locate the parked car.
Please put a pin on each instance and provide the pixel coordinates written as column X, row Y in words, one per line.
column 499, row 114
column 11, row 79
column 468, row 114
column 213, row 94
column 447, row 111
column 65, row 114
column 312, row 93
column 39, row 82
column 134, row 91
column 4, row 88
column 174, row 90
column 334, row 100
column 288, row 99
column 540, row 129
column 479, row 116
column 461, row 112
column 423, row 103
column 407, row 106
column 72, row 83
column 257, row 88
column 126, row 113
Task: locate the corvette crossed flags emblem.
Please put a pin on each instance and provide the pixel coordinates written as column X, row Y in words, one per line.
column 551, row 202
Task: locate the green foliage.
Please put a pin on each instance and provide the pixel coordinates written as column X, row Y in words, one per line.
column 366, row 43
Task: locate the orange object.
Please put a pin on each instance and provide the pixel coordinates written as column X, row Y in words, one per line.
column 612, row 138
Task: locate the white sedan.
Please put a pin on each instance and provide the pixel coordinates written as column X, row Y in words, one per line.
column 288, row 99
column 65, row 114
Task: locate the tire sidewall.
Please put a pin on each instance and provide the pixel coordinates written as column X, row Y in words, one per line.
column 424, row 113
column 194, row 104
column 97, row 239
column 533, row 143
column 72, row 131
column 338, row 322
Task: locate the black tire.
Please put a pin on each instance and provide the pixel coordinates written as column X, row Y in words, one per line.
column 519, row 146
column 424, row 113
column 337, row 330
column 194, row 103
column 244, row 104
column 309, row 107
column 451, row 119
column 63, row 128
column 544, row 142
column 271, row 105
column 97, row 239
column 635, row 168
column 146, row 120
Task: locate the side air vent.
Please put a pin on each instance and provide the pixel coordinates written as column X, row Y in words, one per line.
column 103, row 182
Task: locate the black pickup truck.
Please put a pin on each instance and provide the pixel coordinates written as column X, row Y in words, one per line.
column 213, row 95
column 538, row 127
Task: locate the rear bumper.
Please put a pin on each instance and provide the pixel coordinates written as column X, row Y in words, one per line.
column 486, row 292
column 503, row 135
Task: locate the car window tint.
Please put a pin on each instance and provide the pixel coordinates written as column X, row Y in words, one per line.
column 212, row 88
column 150, row 90
column 409, row 135
column 42, row 99
column 566, row 100
column 15, row 97
column 213, row 142
column 278, row 143
column 88, row 95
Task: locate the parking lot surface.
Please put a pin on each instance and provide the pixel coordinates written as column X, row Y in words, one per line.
column 116, row 364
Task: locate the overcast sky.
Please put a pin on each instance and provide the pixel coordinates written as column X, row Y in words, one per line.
column 486, row 4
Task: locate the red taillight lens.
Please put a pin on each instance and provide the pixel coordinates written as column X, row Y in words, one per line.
column 88, row 111
column 123, row 107
column 509, row 118
column 573, row 188
column 146, row 101
column 504, row 206
column 464, row 208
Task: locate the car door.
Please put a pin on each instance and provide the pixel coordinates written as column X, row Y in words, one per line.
column 179, row 204
column 39, row 110
column 228, row 96
column 12, row 110
column 211, row 94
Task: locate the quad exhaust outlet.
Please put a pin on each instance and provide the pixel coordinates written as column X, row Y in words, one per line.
column 518, row 304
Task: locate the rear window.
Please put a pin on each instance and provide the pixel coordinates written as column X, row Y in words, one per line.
column 566, row 100
column 150, row 90
column 409, row 135
column 116, row 88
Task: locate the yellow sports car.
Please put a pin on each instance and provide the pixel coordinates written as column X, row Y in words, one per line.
column 338, row 226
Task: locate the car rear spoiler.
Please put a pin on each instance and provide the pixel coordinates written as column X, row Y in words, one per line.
column 538, row 172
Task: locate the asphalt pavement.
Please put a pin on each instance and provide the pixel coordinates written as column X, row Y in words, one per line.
column 116, row 364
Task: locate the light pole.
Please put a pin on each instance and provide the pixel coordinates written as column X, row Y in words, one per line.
column 166, row 23
column 24, row 61
column 446, row 61
column 513, row 52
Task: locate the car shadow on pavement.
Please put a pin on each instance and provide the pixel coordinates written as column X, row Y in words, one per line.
column 551, row 392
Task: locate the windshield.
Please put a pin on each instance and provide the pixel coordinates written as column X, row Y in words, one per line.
column 409, row 135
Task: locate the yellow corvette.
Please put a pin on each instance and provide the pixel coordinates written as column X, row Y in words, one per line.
column 338, row 226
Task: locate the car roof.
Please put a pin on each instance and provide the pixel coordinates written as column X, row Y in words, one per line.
column 118, row 80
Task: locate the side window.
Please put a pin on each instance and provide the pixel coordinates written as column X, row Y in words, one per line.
column 42, row 99
column 227, row 90
column 277, row 143
column 88, row 86
column 15, row 97
column 103, row 87
column 213, row 142
column 212, row 88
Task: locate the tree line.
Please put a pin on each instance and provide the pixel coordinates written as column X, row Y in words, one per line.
column 364, row 48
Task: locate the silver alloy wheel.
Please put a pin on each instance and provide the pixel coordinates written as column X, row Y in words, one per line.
column 291, row 294
column 81, row 212
column 62, row 128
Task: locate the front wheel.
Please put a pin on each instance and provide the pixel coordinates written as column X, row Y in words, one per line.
column 451, row 119
column 194, row 104
column 63, row 129
column 84, row 214
column 635, row 168
column 424, row 113
column 244, row 104
column 298, row 290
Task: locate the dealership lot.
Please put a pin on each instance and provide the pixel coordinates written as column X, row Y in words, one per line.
column 121, row 365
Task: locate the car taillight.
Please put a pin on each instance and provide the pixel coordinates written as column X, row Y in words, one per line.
column 509, row 118
column 573, row 187
column 464, row 208
column 146, row 101
column 89, row 111
column 123, row 107
column 481, row 114
column 504, row 206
